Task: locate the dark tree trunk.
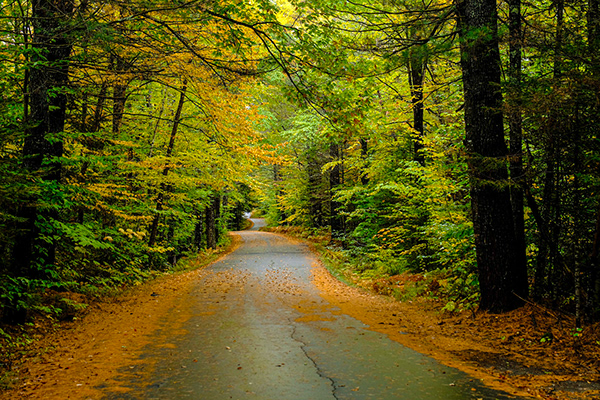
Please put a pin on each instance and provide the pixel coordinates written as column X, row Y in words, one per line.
column 595, row 274
column 547, row 241
column 548, row 245
column 278, row 182
column 416, row 76
column 559, row 38
column 336, row 221
column 47, row 101
column 515, row 125
column 593, row 20
column 47, row 111
column 238, row 217
column 217, row 206
column 26, row 36
column 198, row 231
column 84, row 113
column 211, row 221
column 502, row 275
column 579, row 231
column 313, row 170
column 364, row 154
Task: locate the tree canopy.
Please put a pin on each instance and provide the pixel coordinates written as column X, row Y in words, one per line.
column 454, row 139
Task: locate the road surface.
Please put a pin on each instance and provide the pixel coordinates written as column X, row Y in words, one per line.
column 255, row 327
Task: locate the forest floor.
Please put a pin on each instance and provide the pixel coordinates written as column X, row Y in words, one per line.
column 70, row 360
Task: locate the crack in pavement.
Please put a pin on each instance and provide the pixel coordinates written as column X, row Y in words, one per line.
column 319, row 372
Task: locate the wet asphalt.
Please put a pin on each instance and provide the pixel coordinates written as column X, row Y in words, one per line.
column 256, row 328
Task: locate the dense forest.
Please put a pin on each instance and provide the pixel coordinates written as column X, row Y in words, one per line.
column 455, row 139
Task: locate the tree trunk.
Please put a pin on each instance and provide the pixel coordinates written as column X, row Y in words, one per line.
column 548, row 243
column 217, row 206
column 313, row 170
column 26, row 36
column 336, row 221
column 579, row 230
column 198, row 231
column 502, row 275
column 364, row 154
column 559, row 38
column 593, row 21
column 211, row 223
column 515, row 125
column 279, row 193
column 595, row 284
column 47, row 101
column 416, row 76
column 548, row 246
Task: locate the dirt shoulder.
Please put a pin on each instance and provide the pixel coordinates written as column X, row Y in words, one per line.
column 72, row 360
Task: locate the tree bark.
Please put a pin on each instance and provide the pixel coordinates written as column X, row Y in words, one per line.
column 211, row 221
column 515, row 120
column 364, row 155
column 47, row 101
column 279, row 194
column 336, row 221
column 217, row 207
column 502, row 275
column 548, row 247
column 416, row 76
column 593, row 21
column 316, row 197
column 198, row 230
column 579, row 230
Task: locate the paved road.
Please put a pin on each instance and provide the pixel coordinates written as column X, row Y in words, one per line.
column 257, row 329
